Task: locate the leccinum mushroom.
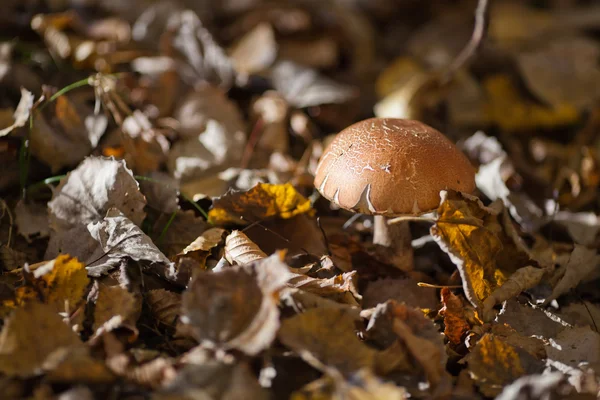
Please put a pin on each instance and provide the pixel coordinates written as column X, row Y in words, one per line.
column 390, row 167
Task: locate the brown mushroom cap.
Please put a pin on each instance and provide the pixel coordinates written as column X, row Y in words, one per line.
column 390, row 166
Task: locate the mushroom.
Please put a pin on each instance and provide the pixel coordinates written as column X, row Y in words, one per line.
column 390, row 167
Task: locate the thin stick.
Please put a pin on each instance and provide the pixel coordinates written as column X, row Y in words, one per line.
column 479, row 31
column 429, row 285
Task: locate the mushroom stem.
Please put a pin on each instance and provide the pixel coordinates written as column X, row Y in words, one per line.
column 397, row 239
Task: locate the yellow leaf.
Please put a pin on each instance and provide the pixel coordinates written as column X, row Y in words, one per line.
column 469, row 233
column 61, row 282
column 261, row 202
column 511, row 112
column 493, row 363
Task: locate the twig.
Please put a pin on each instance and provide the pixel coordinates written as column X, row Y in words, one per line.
column 479, row 31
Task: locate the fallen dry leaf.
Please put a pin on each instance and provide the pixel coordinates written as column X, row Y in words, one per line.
column 30, row 335
column 239, row 249
column 329, row 336
column 261, row 202
column 116, row 308
column 470, row 233
column 455, row 322
column 244, row 299
column 581, row 263
column 494, row 363
column 61, row 283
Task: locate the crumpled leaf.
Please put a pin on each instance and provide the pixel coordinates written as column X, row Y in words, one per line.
column 455, row 321
column 581, row 263
column 471, row 235
column 21, row 114
column 304, row 87
column 236, row 307
column 194, row 255
column 493, row 364
column 116, row 308
column 30, row 335
column 343, row 283
column 328, row 335
column 512, row 113
column 261, row 202
column 565, row 71
column 90, row 190
column 61, row 282
column 120, row 238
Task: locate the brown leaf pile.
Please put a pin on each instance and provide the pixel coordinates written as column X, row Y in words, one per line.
column 161, row 237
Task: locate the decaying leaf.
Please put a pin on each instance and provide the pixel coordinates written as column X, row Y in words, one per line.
column 471, row 235
column 574, row 347
column 329, row 336
column 236, row 307
column 30, row 335
column 261, row 202
column 455, row 322
column 493, row 364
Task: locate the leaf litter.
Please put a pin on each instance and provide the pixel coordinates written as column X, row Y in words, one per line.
column 161, row 237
